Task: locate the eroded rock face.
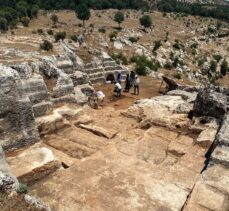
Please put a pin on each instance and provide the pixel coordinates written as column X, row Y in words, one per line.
column 17, row 125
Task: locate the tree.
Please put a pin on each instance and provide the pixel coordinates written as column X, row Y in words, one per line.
column 119, row 17
column 146, row 21
column 3, row 24
column 83, row 12
column 224, row 68
column 213, row 66
column 54, row 19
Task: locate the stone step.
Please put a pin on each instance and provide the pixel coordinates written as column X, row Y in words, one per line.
column 112, row 68
column 97, row 80
column 40, row 109
column 32, row 164
column 38, row 96
column 221, row 155
column 109, row 63
column 93, row 70
column 33, row 85
column 96, row 75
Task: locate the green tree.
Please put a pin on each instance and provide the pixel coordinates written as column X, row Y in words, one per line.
column 83, row 12
column 146, row 21
column 224, row 68
column 119, row 17
column 213, row 66
column 3, row 24
column 54, row 19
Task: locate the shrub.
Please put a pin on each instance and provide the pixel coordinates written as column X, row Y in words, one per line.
column 46, row 45
column 119, row 58
column 133, row 39
column 224, row 68
column 178, row 45
column 217, row 57
column 143, row 65
column 194, row 52
column 40, row 31
column 157, row 45
column 50, row 32
column 54, row 18
column 146, row 21
column 177, row 76
column 22, row 188
column 113, row 35
column 213, row 66
column 194, row 45
column 201, row 61
column 74, row 38
column 168, row 65
column 60, row 36
column 25, row 21
column 3, row 24
column 119, row 17
column 102, row 30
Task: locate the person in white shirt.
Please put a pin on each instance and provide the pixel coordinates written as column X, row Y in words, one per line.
column 118, row 89
column 136, row 85
column 101, row 97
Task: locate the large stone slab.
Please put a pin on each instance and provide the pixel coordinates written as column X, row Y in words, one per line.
column 33, row 164
column 100, row 131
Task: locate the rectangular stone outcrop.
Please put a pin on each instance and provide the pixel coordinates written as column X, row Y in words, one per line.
column 33, row 164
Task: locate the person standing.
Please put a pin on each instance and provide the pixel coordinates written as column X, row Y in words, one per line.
column 136, row 85
column 127, row 87
column 118, row 79
column 132, row 78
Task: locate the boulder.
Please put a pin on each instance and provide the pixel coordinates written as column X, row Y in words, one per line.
column 118, row 45
column 223, row 134
column 210, row 103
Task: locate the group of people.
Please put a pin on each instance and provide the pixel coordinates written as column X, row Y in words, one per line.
column 132, row 80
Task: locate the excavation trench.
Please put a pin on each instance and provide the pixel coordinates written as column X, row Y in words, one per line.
column 106, row 159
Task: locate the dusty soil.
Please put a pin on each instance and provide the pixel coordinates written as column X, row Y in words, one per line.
column 149, row 88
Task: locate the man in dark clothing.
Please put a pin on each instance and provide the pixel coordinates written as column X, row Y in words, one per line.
column 132, row 78
column 127, row 87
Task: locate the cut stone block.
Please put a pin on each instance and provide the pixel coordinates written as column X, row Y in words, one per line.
column 33, row 164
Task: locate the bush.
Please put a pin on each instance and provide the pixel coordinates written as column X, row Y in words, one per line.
column 168, row 65
column 40, row 31
column 224, row 68
column 213, row 66
column 194, row 45
column 119, row 17
column 178, row 45
column 146, row 21
column 50, row 32
column 113, row 35
column 201, row 61
column 217, row 57
column 54, row 18
column 143, row 65
column 46, row 45
column 133, row 39
column 3, row 24
column 157, row 45
column 22, row 188
column 25, row 21
column 177, row 76
column 102, row 30
column 74, row 38
column 119, row 58
column 60, row 36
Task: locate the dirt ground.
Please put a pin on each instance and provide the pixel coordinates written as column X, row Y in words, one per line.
column 149, row 87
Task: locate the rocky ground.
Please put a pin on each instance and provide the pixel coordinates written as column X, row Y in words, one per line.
column 146, row 152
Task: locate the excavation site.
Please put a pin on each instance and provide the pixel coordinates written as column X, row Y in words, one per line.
column 114, row 109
